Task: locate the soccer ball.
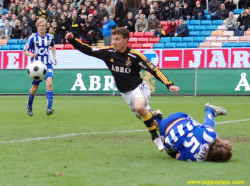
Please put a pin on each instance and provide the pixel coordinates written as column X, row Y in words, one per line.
column 37, row 70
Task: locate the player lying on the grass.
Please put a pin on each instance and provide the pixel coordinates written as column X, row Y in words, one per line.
column 125, row 65
column 186, row 139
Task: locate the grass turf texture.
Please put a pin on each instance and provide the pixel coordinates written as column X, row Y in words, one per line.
column 109, row 159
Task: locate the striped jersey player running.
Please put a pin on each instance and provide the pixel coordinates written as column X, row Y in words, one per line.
column 39, row 43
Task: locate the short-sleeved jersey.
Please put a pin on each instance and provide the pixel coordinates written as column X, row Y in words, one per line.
column 40, row 45
column 125, row 67
column 188, row 137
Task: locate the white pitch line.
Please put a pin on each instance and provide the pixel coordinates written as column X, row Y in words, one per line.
column 77, row 134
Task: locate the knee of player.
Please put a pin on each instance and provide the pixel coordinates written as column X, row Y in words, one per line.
column 140, row 108
column 49, row 85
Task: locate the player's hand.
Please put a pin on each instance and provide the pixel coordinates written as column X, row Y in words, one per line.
column 33, row 55
column 69, row 36
column 174, row 89
column 177, row 155
column 55, row 61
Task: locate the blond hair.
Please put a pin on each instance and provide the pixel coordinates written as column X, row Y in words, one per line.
column 40, row 21
column 16, row 21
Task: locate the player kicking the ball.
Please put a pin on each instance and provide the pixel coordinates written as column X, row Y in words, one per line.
column 125, row 64
column 39, row 44
column 186, row 139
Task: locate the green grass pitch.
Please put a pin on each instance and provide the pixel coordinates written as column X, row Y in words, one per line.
column 82, row 150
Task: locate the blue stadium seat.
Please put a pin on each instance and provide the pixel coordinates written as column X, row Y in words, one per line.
column 22, row 47
column 5, row 47
column 19, row 42
column 165, row 40
column 239, row 44
column 248, row 44
column 191, row 28
column 238, row 11
column 176, row 40
column 228, row 45
column 5, row 11
column 170, row 45
column 205, row 33
column 199, row 28
column 187, row 22
column 211, row 28
column 181, row 45
column 12, row 41
column 193, row 45
column 206, row 22
column 199, row 39
column 158, row 45
column 195, row 22
column 206, row 11
column 217, row 22
column 194, row 34
column 187, row 39
column 208, row 17
column 15, row 47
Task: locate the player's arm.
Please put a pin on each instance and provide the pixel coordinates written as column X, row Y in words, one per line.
column 29, row 44
column 53, row 49
column 27, row 53
column 177, row 155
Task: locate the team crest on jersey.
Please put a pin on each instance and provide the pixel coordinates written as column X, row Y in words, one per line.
column 150, row 64
column 149, row 79
column 112, row 60
column 128, row 62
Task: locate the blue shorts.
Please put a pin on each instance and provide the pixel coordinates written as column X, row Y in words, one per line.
column 49, row 74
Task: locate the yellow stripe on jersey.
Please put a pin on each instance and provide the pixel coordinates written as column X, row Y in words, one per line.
column 163, row 77
column 102, row 48
column 139, row 54
column 79, row 41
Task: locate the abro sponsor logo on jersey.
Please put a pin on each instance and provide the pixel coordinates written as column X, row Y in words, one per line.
column 152, row 55
column 120, row 69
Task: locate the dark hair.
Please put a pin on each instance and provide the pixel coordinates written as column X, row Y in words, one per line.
column 219, row 152
column 123, row 31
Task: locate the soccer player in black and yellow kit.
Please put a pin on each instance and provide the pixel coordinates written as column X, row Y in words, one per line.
column 125, row 64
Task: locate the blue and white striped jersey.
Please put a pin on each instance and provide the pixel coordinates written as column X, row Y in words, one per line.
column 40, row 45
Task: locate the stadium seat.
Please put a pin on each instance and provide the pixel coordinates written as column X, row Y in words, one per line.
column 68, row 47
column 206, row 11
column 238, row 11
column 205, row 33
column 5, row 47
column 131, row 34
column 199, row 28
column 15, row 47
column 248, row 44
column 23, row 42
column 195, row 22
column 147, row 45
column 199, row 39
column 136, row 46
column 193, row 45
column 164, row 23
column 5, row 11
column 228, row 34
column 138, row 34
column 176, row 40
column 169, row 45
column 194, row 34
column 59, row 46
column 216, row 33
column 129, row 44
column 239, row 44
column 12, row 41
column 154, row 40
column 159, row 45
column 247, row 33
column 208, row 17
column 190, row 28
column 211, row 28
column 221, row 28
column 132, row 40
column 222, row 39
column 244, row 38
column 233, row 39
column 187, row 22
column 204, row 45
column 22, row 47
column 187, row 39
column 215, row 45
column 228, row 45
column 181, row 45
column 206, row 22
column 210, row 39
column 142, row 40
column 217, row 22
column 148, row 34
column 165, row 40
column 3, row 41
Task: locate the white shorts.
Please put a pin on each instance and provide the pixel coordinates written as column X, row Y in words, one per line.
column 143, row 90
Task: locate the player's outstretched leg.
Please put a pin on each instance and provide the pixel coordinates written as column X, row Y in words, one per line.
column 217, row 110
column 49, row 96
column 29, row 104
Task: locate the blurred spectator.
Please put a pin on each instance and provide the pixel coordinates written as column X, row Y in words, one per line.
column 59, row 6
column 16, row 8
column 36, row 7
column 83, row 23
column 243, row 21
column 65, row 8
column 150, row 4
column 163, row 4
column 82, row 9
column 166, row 13
column 213, row 7
column 157, row 10
column 141, row 24
column 71, row 8
column 32, row 23
column 91, row 30
column 91, row 10
column 26, row 31
column 88, row 4
column 182, row 29
column 198, row 12
column 9, row 16
column 153, row 23
column 144, row 7
column 14, row 17
column 187, row 11
column 96, row 4
column 16, row 30
column 97, row 20
column 129, row 22
column 54, row 26
column 74, row 24
column 47, row 27
column 26, row 6
column 25, row 19
column 137, row 16
column 178, row 11
column 42, row 13
column 192, row 3
column 159, row 32
column 31, row 3
column 151, row 11
column 53, row 15
column 166, row 33
column 68, row 2
column 2, row 21
column 21, row 15
column 231, row 22
column 110, row 8
column 119, row 13
column 75, row 2
column 52, row 31
column 107, row 25
column 229, row 5
column 6, row 31
column 244, row 4
column 102, row 12
column 53, row 3
column 222, row 13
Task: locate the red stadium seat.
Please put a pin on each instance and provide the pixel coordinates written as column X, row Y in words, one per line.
column 142, row 40
column 136, row 46
column 147, row 45
column 68, row 47
column 154, row 40
column 164, row 23
column 138, row 34
column 148, row 34
column 131, row 34
column 59, row 46
column 129, row 44
column 132, row 40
